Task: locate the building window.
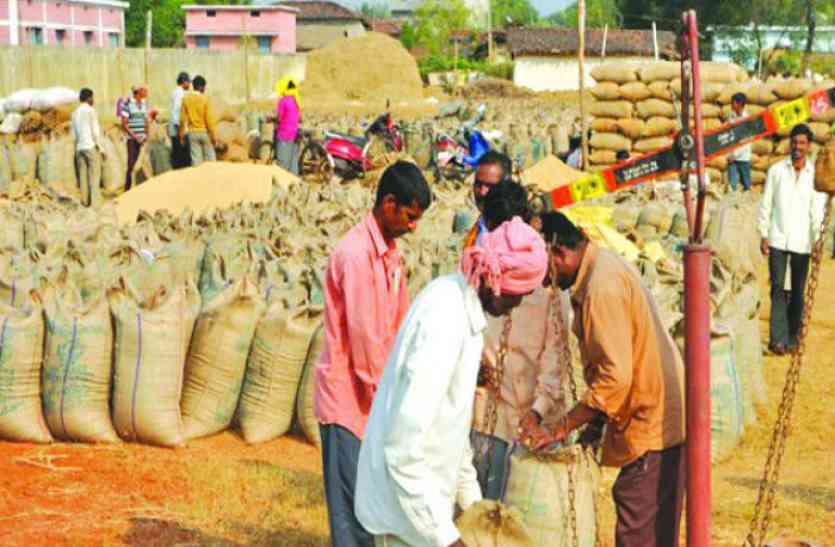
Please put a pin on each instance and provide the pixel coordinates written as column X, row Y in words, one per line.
column 211, row 13
column 265, row 44
column 114, row 39
column 202, row 42
column 88, row 37
column 60, row 36
column 255, row 13
column 37, row 36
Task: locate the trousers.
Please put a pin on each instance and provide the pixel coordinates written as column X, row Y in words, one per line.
column 88, row 167
column 200, row 148
column 786, row 311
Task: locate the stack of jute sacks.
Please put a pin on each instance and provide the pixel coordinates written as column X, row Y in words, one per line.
column 637, row 109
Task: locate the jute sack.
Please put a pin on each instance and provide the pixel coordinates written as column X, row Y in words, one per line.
column 825, row 169
column 789, row 90
column 21, row 353
column 630, row 127
column 113, row 168
column 5, row 170
column 737, row 311
column 657, row 216
column 710, row 110
column 24, row 159
column 661, row 90
column 659, row 126
column 11, row 228
column 635, row 91
column 734, row 238
column 151, row 344
column 538, row 488
column 758, row 177
column 821, row 131
column 274, row 370
column 710, row 90
column 719, row 162
column 619, row 73
column 722, row 72
column 488, row 523
column 606, row 91
column 749, row 357
column 650, row 145
column 77, row 367
column 726, row 412
column 610, row 141
column 625, row 217
column 603, row 157
column 56, row 166
column 758, row 163
column 661, row 70
column 762, row 147
column 305, row 413
column 604, row 125
column 611, row 109
column 216, row 361
column 654, row 107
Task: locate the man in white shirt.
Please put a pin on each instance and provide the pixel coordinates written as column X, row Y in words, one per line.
column 739, row 161
column 88, row 150
column 790, row 218
column 416, row 462
column 179, row 149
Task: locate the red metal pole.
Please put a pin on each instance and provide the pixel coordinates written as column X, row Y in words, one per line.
column 697, row 264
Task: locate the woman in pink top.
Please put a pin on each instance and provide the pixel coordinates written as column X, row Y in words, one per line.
column 288, row 114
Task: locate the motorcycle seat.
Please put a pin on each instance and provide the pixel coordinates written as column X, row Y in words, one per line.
column 359, row 141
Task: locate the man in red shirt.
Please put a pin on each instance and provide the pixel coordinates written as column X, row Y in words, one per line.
column 365, row 301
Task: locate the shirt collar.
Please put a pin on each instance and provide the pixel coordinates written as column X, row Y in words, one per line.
column 580, row 286
column 472, row 307
column 807, row 169
column 377, row 238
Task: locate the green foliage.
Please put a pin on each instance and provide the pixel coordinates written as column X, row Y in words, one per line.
column 375, row 10
column 786, row 62
column 436, row 19
column 513, row 12
column 599, row 13
column 442, row 63
column 408, row 36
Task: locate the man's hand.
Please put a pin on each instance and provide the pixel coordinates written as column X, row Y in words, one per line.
column 542, row 437
column 764, row 246
column 528, row 425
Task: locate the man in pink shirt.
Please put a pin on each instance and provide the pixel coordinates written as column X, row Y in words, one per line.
column 365, row 300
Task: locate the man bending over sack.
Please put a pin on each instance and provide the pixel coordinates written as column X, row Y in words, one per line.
column 415, row 461
column 635, row 378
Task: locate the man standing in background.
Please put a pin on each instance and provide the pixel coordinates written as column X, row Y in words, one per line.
column 88, row 150
column 135, row 122
column 365, row 301
column 198, row 122
column 179, row 149
column 493, row 168
column 739, row 161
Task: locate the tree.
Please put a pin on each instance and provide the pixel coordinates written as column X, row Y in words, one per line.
column 599, row 13
column 435, row 21
column 811, row 13
column 513, row 12
column 375, row 10
column 408, row 36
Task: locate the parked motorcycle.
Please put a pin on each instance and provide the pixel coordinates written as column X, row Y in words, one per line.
column 349, row 156
column 454, row 157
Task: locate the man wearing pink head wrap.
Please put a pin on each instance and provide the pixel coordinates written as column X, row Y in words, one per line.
column 416, row 461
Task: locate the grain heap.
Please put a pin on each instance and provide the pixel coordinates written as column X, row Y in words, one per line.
column 635, row 111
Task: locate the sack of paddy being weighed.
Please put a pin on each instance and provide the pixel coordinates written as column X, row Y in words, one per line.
column 726, row 413
column 635, row 91
column 77, row 366
column 619, row 73
column 21, row 353
column 659, row 126
column 654, row 107
column 606, row 91
column 217, row 357
column 789, row 90
column 631, row 127
column 305, row 412
column 274, row 371
column 538, row 488
column 610, row 141
column 650, row 145
column 488, row 523
column 611, row 109
column 151, row 344
column 659, row 70
column 734, row 237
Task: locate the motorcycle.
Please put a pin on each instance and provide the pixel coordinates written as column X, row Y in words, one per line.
column 349, row 156
column 454, row 157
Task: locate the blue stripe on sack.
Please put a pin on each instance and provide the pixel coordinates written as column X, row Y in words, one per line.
column 136, row 374
column 67, row 372
column 3, row 335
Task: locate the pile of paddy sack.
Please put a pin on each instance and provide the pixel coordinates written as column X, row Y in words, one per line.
column 637, row 109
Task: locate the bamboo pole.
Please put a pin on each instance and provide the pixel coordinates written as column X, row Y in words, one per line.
column 655, row 39
column 148, row 26
column 245, row 15
column 581, row 54
column 605, row 36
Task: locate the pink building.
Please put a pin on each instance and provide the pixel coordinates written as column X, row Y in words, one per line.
column 221, row 28
column 74, row 23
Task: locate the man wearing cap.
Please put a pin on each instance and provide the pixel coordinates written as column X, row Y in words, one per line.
column 635, row 378
column 416, row 462
column 179, row 150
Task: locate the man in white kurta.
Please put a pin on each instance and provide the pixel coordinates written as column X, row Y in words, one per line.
column 416, row 462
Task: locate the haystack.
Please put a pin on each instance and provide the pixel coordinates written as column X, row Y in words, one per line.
column 210, row 186
column 550, row 173
column 372, row 66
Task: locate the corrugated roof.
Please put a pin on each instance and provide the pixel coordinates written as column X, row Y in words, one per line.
column 564, row 41
column 321, row 10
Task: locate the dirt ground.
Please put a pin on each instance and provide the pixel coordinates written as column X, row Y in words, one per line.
column 219, row 491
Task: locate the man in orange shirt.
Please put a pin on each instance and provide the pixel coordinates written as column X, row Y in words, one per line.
column 635, row 378
column 365, row 301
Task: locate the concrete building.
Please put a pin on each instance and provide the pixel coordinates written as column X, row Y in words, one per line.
column 271, row 28
column 63, row 23
column 545, row 59
column 318, row 23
